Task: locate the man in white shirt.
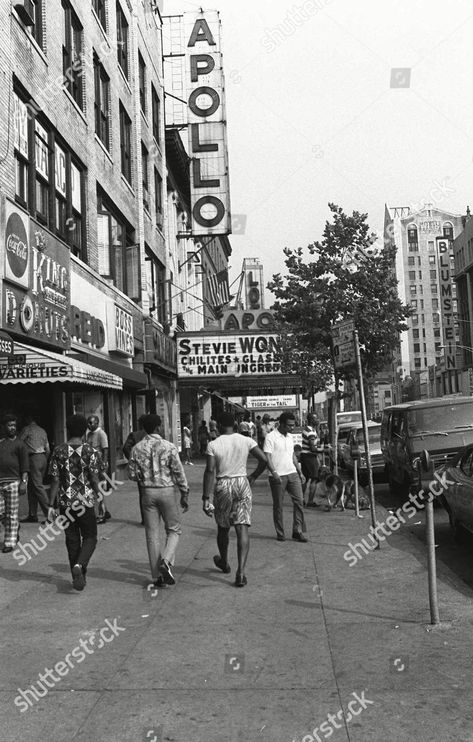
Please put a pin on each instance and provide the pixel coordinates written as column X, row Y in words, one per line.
column 227, row 456
column 285, row 474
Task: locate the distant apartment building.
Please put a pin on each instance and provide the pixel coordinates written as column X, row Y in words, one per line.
column 463, row 256
column 425, row 272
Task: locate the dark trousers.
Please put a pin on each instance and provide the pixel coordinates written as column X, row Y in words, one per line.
column 81, row 537
column 291, row 483
column 36, row 489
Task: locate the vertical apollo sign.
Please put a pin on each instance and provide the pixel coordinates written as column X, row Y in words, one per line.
column 210, row 195
column 445, row 253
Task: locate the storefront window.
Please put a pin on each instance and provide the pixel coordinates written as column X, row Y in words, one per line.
column 123, row 421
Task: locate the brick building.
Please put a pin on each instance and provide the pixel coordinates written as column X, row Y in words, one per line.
column 83, row 196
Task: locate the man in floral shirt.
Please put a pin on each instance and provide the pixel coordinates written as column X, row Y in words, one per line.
column 155, row 464
column 74, row 469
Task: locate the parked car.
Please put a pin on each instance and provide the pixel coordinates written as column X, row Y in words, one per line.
column 356, row 438
column 458, row 497
column 441, row 425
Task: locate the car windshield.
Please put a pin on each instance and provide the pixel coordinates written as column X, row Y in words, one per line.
column 348, row 417
column 440, row 418
column 374, row 435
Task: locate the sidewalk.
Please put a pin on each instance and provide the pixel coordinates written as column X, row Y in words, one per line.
column 207, row 662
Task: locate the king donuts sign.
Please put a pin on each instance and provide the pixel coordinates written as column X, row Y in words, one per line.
column 36, row 289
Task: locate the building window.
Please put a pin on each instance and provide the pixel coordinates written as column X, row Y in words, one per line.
column 416, row 347
column 411, row 261
column 156, row 105
column 413, row 247
column 448, row 230
column 102, row 103
column 415, row 334
column 432, row 259
column 158, row 293
column 412, row 275
column 436, row 332
column 99, row 7
column 21, row 147
column 119, row 256
column 434, row 289
column 72, row 54
column 414, row 303
column 435, row 318
column 122, row 40
column 431, row 246
column 433, row 275
column 158, row 197
column 142, row 80
column 41, row 144
column 417, row 363
column 412, row 233
column 144, row 171
column 413, row 289
column 36, row 30
column 415, row 319
column 435, row 303
column 125, row 143
column 420, row 275
column 60, row 192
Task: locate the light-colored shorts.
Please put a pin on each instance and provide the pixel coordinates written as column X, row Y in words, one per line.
column 232, row 501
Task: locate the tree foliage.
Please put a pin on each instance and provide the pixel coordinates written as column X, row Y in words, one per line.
column 343, row 278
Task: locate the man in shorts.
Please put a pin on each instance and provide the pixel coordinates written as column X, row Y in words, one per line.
column 227, row 456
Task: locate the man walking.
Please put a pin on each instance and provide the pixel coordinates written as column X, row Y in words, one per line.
column 98, row 439
column 155, row 464
column 285, row 474
column 226, row 462
column 35, row 439
column 310, row 462
column 14, row 468
column 74, row 470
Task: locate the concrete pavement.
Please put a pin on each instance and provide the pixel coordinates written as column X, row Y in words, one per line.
column 206, row 661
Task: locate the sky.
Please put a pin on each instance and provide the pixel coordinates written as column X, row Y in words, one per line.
column 316, row 114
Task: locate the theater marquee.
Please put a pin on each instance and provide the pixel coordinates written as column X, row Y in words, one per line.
column 207, row 356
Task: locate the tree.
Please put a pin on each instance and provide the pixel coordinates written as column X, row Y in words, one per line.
column 346, row 278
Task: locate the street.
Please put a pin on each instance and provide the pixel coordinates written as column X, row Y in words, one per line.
column 309, row 637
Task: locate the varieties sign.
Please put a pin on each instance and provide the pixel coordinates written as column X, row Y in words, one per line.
column 227, row 355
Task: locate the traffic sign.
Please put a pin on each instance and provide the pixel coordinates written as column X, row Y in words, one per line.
column 344, row 353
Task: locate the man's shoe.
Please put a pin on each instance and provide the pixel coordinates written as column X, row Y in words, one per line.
column 190, row 463
column 240, row 580
column 107, row 515
column 7, row 549
column 280, row 537
column 29, row 519
column 101, row 520
column 165, row 569
column 78, row 580
column 300, row 537
column 220, row 564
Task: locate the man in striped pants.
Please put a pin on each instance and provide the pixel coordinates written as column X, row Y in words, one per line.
column 14, row 468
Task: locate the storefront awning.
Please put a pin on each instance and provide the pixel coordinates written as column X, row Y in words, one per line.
column 43, row 366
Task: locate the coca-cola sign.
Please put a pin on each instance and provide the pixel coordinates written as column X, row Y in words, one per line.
column 17, row 252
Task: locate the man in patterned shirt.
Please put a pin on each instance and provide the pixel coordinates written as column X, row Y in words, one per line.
column 155, row 464
column 226, row 460
column 74, row 470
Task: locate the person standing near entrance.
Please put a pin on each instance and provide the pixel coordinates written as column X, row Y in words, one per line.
column 74, row 470
column 285, row 474
column 156, row 465
column 14, row 468
column 187, row 444
column 98, row 439
column 35, row 439
column 133, row 438
column 226, row 462
column 310, row 462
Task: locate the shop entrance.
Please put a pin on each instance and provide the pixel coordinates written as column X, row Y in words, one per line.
column 44, row 401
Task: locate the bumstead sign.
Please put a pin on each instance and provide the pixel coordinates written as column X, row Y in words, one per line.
column 227, row 355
